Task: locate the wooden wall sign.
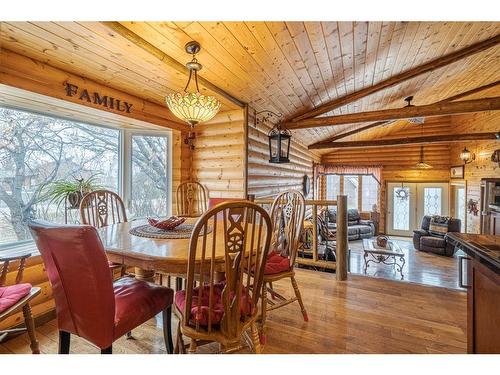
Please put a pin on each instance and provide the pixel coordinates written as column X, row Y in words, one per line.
column 94, row 97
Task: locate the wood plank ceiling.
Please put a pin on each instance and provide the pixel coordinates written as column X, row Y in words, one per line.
column 286, row 67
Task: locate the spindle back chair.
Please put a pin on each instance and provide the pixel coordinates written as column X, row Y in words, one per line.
column 224, row 311
column 23, row 304
column 100, row 208
column 287, row 215
column 191, row 199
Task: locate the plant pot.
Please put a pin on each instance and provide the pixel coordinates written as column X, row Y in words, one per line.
column 74, row 199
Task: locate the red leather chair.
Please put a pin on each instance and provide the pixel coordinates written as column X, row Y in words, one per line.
column 88, row 303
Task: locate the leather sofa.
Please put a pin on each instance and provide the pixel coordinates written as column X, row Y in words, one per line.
column 425, row 240
column 357, row 228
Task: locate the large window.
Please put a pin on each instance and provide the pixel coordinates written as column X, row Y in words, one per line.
column 37, row 151
column 350, row 186
column 149, row 176
column 369, row 193
column 332, row 186
column 351, row 190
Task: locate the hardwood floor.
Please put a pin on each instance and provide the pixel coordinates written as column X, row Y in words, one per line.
column 420, row 267
column 361, row 315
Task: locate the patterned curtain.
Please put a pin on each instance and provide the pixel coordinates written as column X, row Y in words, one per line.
column 374, row 170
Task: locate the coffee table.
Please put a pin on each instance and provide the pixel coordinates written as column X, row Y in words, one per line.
column 388, row 255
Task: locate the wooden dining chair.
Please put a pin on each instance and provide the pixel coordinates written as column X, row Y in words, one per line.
column 287, row 216
column 217, row 310
column 17, row 297
column 100, row 208
column 89, row 303
column 191, row 199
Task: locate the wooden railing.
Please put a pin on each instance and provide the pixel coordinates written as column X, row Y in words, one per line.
column 341, row 235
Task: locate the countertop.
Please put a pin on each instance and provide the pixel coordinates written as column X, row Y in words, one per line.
column 482, row 247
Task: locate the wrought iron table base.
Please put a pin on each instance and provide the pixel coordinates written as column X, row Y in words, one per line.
column 379, row 258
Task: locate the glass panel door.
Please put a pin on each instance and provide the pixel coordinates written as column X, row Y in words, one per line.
column 405, row 214
column 460, row 206
column 432, row 199
column 401, row 209
column 149, row 176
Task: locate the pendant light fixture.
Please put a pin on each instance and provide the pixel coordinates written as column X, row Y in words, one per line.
column 192, row 106
column 413, row 120
column 421, row 164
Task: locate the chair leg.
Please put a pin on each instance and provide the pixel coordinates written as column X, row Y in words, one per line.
column 273, row 296
column 30, row 327
column 179, row 342
column 167, row 329
column 299, row 298
column 108, row 350
column 64, row 342
column 263, row 337
column 192, row 346
column 255, row 338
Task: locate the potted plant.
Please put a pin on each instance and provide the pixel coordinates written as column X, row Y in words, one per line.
column 72, row 191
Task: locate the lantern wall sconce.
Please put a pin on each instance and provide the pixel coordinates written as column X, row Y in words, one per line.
column 495, row 157
column 466, row 156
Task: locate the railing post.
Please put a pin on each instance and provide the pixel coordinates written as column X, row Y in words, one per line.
column 315, row 232
column 341, row 237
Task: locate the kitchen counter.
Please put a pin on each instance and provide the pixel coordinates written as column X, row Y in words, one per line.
column 482, row 247
column 483, row 290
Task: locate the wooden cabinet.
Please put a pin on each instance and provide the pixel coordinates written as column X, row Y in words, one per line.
column 483, row 309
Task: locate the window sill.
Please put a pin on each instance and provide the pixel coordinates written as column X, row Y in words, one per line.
column 21, row 248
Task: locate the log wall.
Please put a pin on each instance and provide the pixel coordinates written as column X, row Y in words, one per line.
column 218, row 160
column 266, row 180
column 482, row 167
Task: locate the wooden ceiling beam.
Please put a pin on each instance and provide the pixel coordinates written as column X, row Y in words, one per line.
column 410, row 140
column 121, row 30
column 436, row 109
column 381, row 123
column 401, row 77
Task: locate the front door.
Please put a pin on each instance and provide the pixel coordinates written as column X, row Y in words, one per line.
column 409, row 202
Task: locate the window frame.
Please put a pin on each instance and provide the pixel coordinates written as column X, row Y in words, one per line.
column 124, row 182
column 360, row 187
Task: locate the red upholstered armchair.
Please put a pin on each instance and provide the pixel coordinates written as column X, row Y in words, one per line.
column 88, row 303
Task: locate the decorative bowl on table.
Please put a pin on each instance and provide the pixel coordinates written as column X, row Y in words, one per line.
column 382, row 241
column 167, row 224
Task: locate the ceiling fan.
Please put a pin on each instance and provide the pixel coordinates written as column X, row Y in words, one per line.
column 413, row 120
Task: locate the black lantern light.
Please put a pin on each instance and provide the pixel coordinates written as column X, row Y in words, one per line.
column 279, row 144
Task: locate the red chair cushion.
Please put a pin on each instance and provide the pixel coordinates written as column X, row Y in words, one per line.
column 276, row 264
column 200, row 315
column 10, row 295
column 212, row 202
column 137, row 301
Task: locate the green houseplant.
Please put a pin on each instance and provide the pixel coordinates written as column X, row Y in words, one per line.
column 73, row 191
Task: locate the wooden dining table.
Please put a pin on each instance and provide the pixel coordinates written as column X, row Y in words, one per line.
column 151, row 255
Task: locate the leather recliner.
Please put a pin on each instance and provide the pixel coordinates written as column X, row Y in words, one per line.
column 424, row 240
